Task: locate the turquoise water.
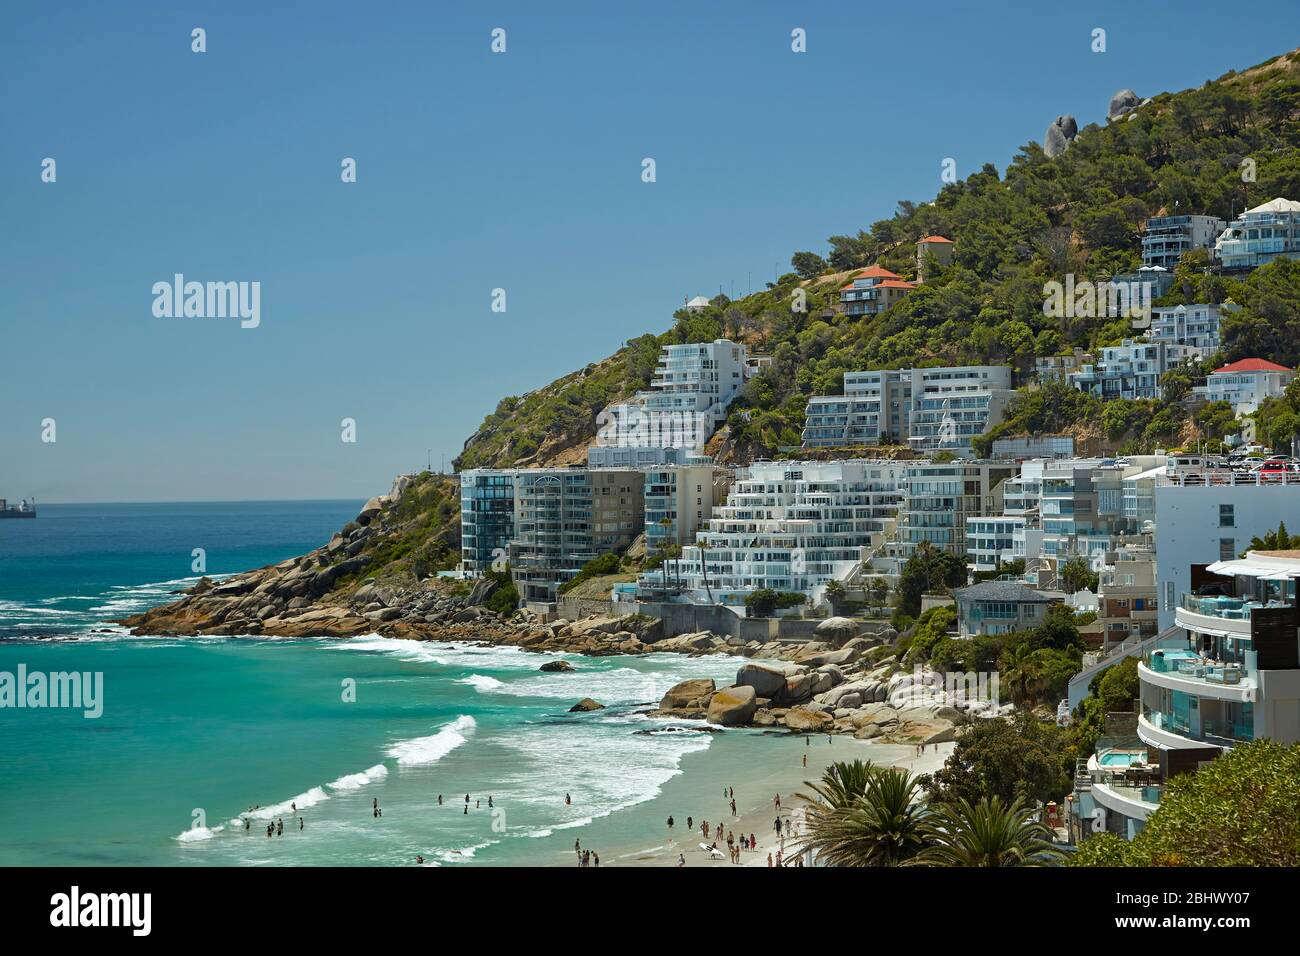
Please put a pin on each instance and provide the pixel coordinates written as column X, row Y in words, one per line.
column 1118, row 758
column 195, row 731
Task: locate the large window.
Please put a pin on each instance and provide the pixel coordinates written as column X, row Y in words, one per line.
column 1227, row 549
column 1227, row 516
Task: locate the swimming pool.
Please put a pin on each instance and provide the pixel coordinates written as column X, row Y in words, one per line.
column 1120, row 758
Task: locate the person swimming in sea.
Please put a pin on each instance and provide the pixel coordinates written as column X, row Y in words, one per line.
column 246, row 824
column 270, row 829
column 279, row 827
column 439, row 799
column 567, row 800
column 419, row 860
column 300, row 824
column 489, row 803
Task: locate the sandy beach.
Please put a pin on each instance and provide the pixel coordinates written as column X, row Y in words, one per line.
column 697, row 793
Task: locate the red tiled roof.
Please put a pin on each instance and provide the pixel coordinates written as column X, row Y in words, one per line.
column 895, row 284
column 876, row 272
column 1251, row 365
column 935, row 239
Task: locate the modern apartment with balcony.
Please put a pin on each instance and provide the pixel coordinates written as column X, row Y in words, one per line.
column 1196, row 325
column 1131, row 369
column 487, row 518
column 1200, row 520
column 999, row 607
column 940, row 497
column 872, row 291
column 679, row 500
column 565, row 517
column 1261, row 235
column 1166, row 238
column 788, row 526
column 931, row 409
column 692, row 388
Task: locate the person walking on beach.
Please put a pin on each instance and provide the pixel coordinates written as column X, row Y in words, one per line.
column 805, row 760
column 777, row 826
column 769, row 859
column 595, row 858
column 776, row 801
column 733, row 807
column 681, row 860
column 753, row 842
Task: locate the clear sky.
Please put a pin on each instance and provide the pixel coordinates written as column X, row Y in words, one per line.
column 475, row 171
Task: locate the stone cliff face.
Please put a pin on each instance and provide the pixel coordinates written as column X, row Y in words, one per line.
column 397, row 542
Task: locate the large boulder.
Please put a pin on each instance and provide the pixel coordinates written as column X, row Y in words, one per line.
column 845, row 655
column 556, row 666
column 837, row 630
column 1059, row 135
column 585, row 705
column 797, row 689
column 684, row 693
column 766, row 680
column 1123, row 102
column 732, row 706
column 804, row 720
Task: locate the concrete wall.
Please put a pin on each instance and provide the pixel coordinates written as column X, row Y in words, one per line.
column 573, row 609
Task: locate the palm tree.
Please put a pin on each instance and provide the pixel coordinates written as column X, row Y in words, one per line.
column 989, row 833
column 881, row 826
column 841, row 783
column 1022, row 669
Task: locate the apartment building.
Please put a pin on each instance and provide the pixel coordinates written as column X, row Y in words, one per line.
column 872, row 291
column 1195, row 325
column 1226, row 674
column 951, row 406
column 487, row 518
column 692, row 388
column 1245, row 384
column 931, row 409
column 939, row 498
column 1166, row 238
column 679, row 500
column 1126, row 596
column 1261, row 235
column 565, row 517
column 788, row 526
column 1131, row 369
column 1200, row 521
column 991, row 540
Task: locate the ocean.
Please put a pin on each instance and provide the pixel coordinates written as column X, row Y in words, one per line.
column 203, row 741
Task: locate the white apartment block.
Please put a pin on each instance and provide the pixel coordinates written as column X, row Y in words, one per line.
column 939, row 497
column 693, row 386
column 788, row 526
column 1131, row 370
column 1195, row 325
column 1245, row 384
column 1261, row 235
column 1200, row 523
column 932, row 409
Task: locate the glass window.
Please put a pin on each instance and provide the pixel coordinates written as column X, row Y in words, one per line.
column 1227, row 549
column 1227, row 517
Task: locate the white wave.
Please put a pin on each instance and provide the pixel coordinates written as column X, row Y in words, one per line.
column 304, row 800
column 355, row 781
column 198, row 834
column 481, row 683
column 421, row 751
column 464, row 854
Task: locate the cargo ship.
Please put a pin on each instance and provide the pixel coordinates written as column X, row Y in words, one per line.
column 24, row 509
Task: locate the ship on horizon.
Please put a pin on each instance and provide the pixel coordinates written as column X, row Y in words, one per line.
column 24, row 509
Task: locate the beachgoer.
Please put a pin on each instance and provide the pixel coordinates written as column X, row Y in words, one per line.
column 769, row 859
column 733, row 808
column 690, row 824
column 439, row 799
column 567, row 801
column 681, row 859
column 300, row 824
column 419, row 860
column 670, row 822
column 246, row 824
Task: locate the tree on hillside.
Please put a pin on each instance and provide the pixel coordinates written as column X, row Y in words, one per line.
column 1078, row 575
column 1024, row 757
column 809, row 265
column 928, row 569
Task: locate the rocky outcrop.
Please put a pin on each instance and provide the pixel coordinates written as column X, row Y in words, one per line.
column 1121, row 104
column 555, row 667
column 1059, row 136
column 586, row 705
column 688, row 695
column 732, row 706
column 837, row 631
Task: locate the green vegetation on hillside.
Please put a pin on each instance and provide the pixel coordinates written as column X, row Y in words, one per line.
column 1080, row 213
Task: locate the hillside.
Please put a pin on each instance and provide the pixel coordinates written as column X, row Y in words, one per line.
column 1079, row 213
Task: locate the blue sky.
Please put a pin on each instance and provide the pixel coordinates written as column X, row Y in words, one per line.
column 475, row 171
